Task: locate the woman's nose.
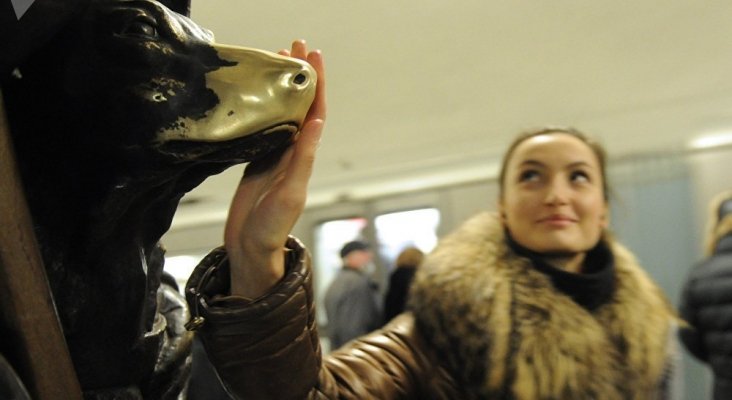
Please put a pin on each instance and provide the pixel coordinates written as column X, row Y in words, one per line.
column 557, row 194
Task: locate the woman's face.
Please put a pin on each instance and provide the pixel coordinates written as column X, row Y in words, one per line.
column 553, row 200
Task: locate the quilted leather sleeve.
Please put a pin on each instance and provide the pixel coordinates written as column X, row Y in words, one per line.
column 254, row 343
column 268, row 348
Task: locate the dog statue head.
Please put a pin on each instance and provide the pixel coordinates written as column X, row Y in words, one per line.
column 122, row 112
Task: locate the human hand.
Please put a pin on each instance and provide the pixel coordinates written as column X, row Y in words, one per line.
column 268, row 203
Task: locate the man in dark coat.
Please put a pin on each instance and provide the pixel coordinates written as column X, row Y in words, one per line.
column 707, row 300
column 351, row 299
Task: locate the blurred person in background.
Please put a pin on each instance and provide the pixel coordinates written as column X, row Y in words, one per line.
column 351, row 301
column 706, row 301
column 399, row 281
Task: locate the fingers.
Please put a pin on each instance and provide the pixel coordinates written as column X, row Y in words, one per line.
column 299, row 49
column 300, row 167
column 317, row 109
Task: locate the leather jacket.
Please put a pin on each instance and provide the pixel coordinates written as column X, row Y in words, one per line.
column 250, row 340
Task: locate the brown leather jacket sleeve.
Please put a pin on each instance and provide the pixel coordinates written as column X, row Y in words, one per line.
column 268, row 348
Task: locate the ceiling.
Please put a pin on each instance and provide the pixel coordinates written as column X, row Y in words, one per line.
column 427, row 92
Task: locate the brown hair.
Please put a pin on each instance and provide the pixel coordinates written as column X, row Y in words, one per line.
column 593, row 145
column 410, row 257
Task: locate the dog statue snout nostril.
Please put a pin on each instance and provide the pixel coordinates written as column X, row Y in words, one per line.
column 300, row 79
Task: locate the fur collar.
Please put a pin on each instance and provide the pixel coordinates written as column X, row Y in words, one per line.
column 505, row 331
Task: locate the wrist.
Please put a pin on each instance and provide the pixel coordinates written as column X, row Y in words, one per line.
column 252, row 277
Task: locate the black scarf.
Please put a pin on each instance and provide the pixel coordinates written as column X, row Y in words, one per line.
column 591, row 288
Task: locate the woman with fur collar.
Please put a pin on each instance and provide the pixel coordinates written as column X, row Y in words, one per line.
column 706, row 301
column 536, row 302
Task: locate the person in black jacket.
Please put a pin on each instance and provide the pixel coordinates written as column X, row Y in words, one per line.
column 399, row 281
column 706, row 302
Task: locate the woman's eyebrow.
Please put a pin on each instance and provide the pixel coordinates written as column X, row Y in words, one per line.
column 579, row 164
column 531, row 162
column 536, row 163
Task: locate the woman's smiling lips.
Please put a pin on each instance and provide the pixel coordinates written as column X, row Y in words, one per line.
column 557, row 220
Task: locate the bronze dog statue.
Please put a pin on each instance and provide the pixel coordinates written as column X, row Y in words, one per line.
column 126, row 109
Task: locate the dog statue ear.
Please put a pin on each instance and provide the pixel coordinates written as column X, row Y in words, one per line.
column 182, row 7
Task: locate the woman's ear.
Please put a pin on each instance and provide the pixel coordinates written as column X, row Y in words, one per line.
column 605, row 218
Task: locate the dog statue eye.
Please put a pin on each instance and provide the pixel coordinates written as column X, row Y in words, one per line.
column 140, row 28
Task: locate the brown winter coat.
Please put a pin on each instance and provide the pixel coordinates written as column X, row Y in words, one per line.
column 484, row 324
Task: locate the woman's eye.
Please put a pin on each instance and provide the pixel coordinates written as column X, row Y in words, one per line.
column 140, row 28
column 579, row 176
column 528, row 176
